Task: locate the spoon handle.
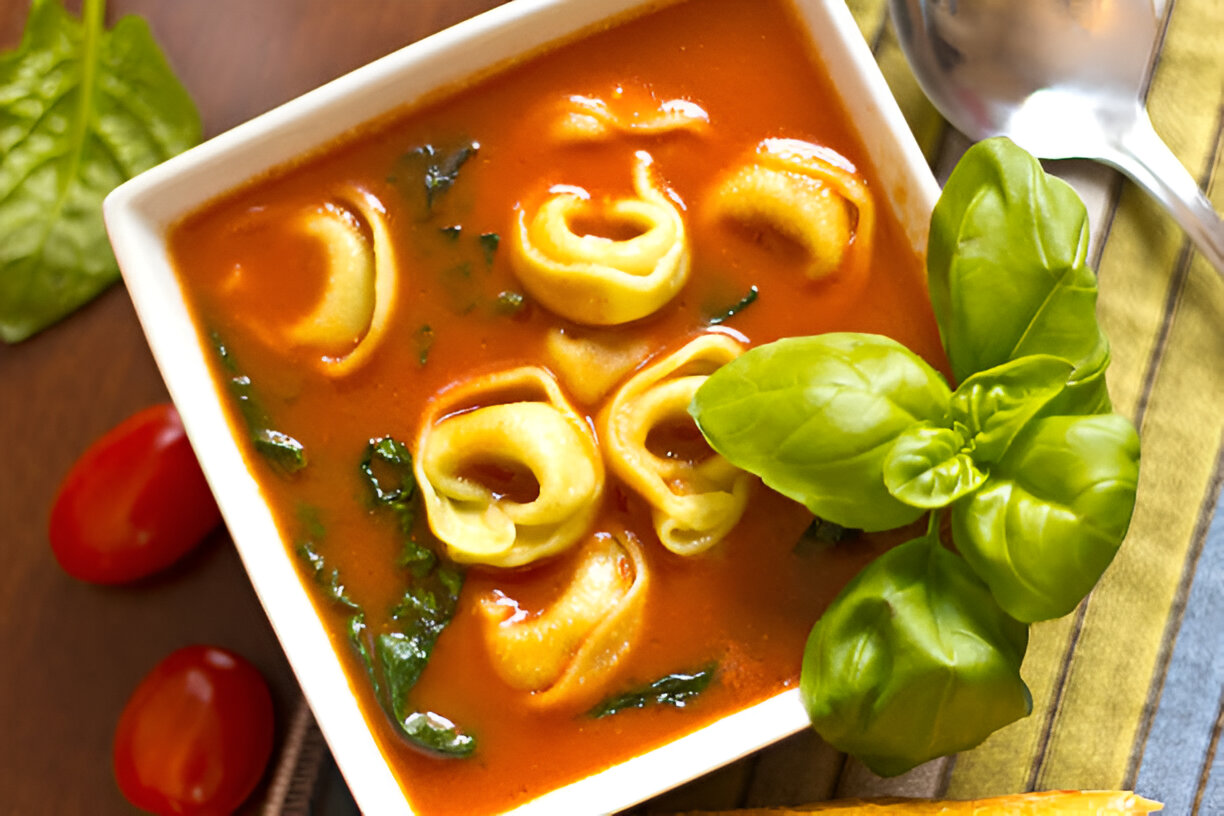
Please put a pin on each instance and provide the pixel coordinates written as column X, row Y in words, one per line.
column 1139, row 152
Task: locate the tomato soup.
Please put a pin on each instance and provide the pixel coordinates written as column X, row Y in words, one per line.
column 369, row 298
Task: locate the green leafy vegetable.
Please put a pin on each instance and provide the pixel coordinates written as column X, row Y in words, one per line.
column 822, row 534
column 394, row 460
column 437, row 734
column 919, row 655
column 510, row 302
column 396, row 654
column 928, row 467
column 451, row 233
column 723, row 315
column 1008, row 273
column 993, row 406
column 913, row 660
column 426, row 173
column 673, row 690
column 278, row 447
column 1050, row 519
column 424, row 337
column 489, row 241
column 815, row 418
column 308, row 549
column 396, row 657
column 387, row 459
column 82, row 109
column 932, row 465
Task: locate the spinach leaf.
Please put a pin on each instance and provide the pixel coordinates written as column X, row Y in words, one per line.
column 821, row 535
column 426, row 173
column 1007, row 271
column 81, row 110
column 278, row 447
column 913, row 660
column 395, row 461
column 329, row 580
column 389, row 459
column 815, row 417
column 396, row 657
column 424, row 338
column 509, row 302
column 1053, row 514
column 436, row 734
column 674, row 690
column 489, row 241
column 723, row 315
column 308, row 548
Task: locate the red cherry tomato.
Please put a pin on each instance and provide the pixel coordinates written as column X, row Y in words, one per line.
column 196, row 735
column 134, row 503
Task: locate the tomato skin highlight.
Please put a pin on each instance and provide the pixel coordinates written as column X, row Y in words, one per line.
column 196, row 735
column 134, row 503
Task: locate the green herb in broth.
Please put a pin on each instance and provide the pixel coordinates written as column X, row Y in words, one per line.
column 424, row 337
column 395, row 656
column 389, row 459
column 489, row 241
column 510, row 302
column 82, row 109
column 822, row 534
column 723, row 315
column 1040, row 479
column 288, row 454
column 426, row 173
column 401, row 653
column 674, row 690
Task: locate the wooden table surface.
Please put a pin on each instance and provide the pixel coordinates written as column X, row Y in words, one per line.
column 72, row 653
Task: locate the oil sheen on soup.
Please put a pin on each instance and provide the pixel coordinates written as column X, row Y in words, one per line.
column 460, row 346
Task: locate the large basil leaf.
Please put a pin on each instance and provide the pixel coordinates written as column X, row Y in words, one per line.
column 913, row 660
column 81, row 110
column 1007, row 271
column 814, row 417
column 1049, row 520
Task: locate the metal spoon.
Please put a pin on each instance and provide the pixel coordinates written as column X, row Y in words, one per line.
column 1063, row 79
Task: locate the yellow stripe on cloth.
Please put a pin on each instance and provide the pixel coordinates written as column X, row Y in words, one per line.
column 1101, row 667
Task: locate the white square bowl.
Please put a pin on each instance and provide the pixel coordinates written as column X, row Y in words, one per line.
column 140, row 213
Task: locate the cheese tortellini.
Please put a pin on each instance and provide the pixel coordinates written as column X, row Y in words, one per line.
column 565, row 652
column 514, row 422
column 351, row 317
column 809, row 194
column 598, row 280
column 694, row 502
column 591, row 119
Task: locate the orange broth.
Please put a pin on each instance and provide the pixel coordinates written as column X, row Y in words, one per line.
column 749, row 602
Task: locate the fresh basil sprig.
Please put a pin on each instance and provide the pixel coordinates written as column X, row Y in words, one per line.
column 1039, row 476
column 913, row 660
column 81, row 110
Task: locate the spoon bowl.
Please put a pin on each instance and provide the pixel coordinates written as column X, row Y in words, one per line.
column 1061, row 78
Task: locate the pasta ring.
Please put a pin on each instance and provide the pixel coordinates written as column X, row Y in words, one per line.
column 467, row 427
column 600, row 281
column 566, row 653
column 694, row 504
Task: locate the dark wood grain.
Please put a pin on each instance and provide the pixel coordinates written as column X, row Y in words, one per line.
column 72, row 652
